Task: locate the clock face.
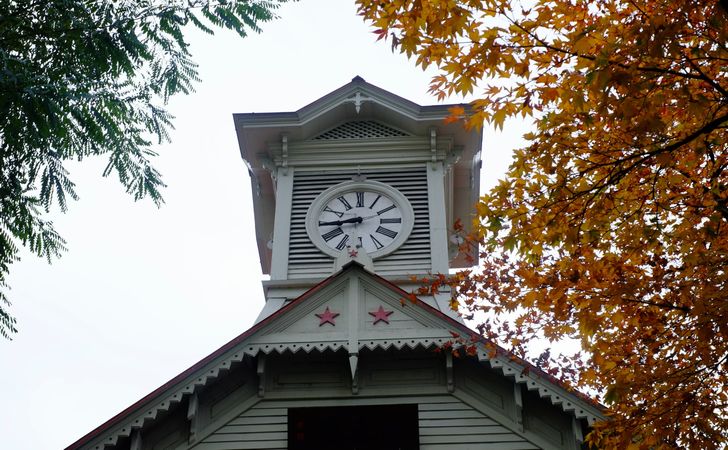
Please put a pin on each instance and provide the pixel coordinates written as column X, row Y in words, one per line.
column 367, row 219
column 367, row 216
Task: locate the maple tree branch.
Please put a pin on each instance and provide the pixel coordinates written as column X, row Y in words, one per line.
column 667, row 306
column 548, row 46
column 613, row 178
column 722, row 207
column 707, row 79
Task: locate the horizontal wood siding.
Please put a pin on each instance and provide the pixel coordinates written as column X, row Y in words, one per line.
column 451, row 424
column 260, row 427
column 444, row 423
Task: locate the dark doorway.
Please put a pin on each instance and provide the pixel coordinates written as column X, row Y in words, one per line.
column 381, row 427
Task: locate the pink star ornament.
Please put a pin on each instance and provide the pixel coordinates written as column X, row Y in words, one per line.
column 381, row 315
column 327, row 317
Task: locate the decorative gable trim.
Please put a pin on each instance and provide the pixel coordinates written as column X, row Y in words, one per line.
column 436, row 333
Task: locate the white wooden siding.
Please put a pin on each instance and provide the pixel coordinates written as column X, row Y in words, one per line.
column 260, row 427
column 444, row 423
column 448, row 423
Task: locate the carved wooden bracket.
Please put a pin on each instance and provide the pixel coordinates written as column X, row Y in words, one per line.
column 578, row 435
column 261, row 375
column 284, row 154
column 353, row 365
column 192, row 410
column 433, row 145
column 449, row 372
column 136, row 439
column 518, row 399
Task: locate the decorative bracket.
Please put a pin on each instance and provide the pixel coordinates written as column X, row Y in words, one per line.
column 192, row 409
column 453, row 157
column 260, row 371
column 358, row 100
column 136, row 439
column 267, row 163
column 518, row 399
column 433, row 145
column 578, row 435
column 284, row 154
column 353, row 363
column 449, row 372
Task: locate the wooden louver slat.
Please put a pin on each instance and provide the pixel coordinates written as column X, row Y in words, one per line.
column 305, row 260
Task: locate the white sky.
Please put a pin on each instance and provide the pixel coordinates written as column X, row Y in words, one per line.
column 143, row 293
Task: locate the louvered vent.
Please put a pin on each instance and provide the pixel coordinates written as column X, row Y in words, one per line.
column 362, row 129
column 305, row 260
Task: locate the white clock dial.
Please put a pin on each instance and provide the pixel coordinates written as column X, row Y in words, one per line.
column 366, row 219
column 366, row 215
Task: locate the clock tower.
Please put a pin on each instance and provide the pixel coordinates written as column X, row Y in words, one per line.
column 359, row 175
column 354, row 194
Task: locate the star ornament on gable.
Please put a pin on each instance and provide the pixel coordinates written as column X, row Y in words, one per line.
column 353, row 253
column 381, row 315
column 327, row 317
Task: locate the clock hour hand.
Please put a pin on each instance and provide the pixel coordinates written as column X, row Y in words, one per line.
column 341, row 222
column 352, row 220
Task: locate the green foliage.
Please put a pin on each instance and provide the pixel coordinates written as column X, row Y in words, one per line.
column 90, row 77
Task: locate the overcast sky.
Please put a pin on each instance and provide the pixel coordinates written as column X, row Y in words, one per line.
column 143, row 293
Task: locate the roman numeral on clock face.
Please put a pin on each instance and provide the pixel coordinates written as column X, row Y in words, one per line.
column 344, row 202
column 376, row 242
column 338, row 213
column 359, row 199
column 375, row 201
column 395, row 220
column 382, row 211
column 387, row 232
column 342, row 242
column 332, row 234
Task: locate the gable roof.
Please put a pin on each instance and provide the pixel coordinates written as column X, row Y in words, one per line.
column 261, row 338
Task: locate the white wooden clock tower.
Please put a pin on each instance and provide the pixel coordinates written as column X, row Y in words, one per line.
column 360, row 172
column 353, row 194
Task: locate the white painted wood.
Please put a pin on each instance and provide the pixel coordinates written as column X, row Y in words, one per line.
column 370, row 152
column 460, row 429
column 249, row 436
column 242, row 445
column 438, row 227
column 192, row 416
column 278, row 426
column 443, row 419
column 256, row 420
column 412, row 257
column 576, row 429
column 260, row 372
column 480, row 446
column 459, row 422
column 471, row 437
column 449, row 371
column 518, row 403
column 417, row 328
column 272, row 304
column 136, row 440
column 282, row 226
column 542, row 441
